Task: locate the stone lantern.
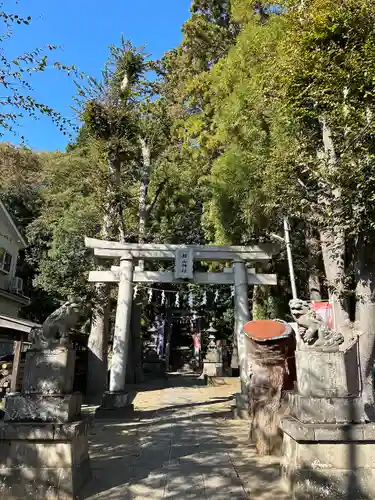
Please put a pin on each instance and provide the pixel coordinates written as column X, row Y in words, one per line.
column 213, row 362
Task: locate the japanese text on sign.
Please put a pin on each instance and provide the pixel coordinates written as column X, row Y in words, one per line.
column 184, row 264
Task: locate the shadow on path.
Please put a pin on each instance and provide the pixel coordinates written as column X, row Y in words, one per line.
column 170, row 410
column 172, row 379
column 183, row 448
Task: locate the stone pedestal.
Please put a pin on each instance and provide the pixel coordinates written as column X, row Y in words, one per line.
column 328, row 449
column 116, row 405
column 328, row 461
column 43, row 440
column 213, row 364
column 43, row 461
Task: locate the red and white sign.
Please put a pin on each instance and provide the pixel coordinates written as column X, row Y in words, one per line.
column 196, row 341
column 325, row 311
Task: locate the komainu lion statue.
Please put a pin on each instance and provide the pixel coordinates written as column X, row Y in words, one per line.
column 312, row 329
column 55, row 329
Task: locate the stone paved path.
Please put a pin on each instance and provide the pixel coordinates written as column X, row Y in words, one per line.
column 181, row 445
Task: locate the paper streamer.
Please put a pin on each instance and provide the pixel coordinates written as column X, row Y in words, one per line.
column 191, row 300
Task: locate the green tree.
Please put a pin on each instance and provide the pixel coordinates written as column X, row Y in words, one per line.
column 70, row 197
column 127, row 123
column 331, row 93
column 292, row 108
column 21, row 174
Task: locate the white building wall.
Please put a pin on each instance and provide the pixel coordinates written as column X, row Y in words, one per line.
column 10, row 244
column 9, row 307
column 9, row 240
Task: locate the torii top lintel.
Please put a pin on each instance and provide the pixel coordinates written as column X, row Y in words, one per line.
column 152, row 251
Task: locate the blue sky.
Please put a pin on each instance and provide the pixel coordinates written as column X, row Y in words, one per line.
column 85, row 29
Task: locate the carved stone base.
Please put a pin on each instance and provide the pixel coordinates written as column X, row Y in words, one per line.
column 322, row 374
column 43, row 461
column 312, row 410
column 212, row 369
column 42, row 408
column 116, row 405
column 328, row 461
column 49, row 371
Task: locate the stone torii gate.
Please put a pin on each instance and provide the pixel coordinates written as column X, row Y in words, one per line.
column 126, row 274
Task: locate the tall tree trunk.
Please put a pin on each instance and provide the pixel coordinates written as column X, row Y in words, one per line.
column 136, row 340
column 113, row 225
column 313, row 249
column 259, row 302
column 143, row 190
column 144, row 213
column 334, row 245
column 333, row 252
column 115, row 205
column 272, row 305
column 97, row 354
column 136, row 351
column 365, row 320
column 168, row 338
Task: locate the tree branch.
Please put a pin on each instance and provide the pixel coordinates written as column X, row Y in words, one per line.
column 158, row 191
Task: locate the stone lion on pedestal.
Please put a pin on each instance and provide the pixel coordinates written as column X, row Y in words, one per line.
column 55, row 329
column 313, row 332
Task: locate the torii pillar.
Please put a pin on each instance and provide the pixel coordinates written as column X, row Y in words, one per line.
column 242, row 316
column 118, row 399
